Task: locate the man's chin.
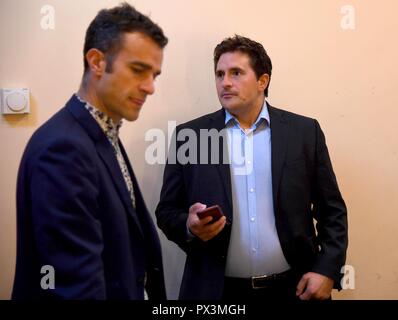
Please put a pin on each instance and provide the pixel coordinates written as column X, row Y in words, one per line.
column 131, row 117
column 230, row 107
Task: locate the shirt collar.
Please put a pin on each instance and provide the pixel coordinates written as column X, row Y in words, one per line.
column 106, row 123
column 264, row 114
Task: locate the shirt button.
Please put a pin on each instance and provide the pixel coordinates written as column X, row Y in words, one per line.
column 252, row 190
column 252, row 219
column 254, row 250
column 249, row 162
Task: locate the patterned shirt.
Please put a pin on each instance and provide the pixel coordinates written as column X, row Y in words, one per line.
column 111, row 131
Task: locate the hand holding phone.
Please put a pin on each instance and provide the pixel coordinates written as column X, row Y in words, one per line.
column 202, row 227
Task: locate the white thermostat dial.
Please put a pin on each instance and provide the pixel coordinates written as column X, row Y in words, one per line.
column 15, row 101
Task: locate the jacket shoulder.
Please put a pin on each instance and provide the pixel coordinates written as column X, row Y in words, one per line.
column 298, row 121
column 62, row 131
column 290, row 116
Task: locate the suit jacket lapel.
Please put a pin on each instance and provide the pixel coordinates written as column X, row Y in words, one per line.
column 223, row 168
column 106, row 152
column 279, row 138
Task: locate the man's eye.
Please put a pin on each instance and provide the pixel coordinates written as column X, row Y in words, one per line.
column 236, row 73
column 137, row 70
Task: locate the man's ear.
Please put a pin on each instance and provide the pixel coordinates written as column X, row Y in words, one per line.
column 96, row 61
column 263, row 82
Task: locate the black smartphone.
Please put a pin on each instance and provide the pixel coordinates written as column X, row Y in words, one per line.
column 213, row 211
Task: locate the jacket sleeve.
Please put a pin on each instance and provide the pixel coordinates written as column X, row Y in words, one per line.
column 172, row 210
column 64, row 189
column 330, row 213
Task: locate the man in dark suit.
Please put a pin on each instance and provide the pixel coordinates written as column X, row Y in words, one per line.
column 266, row 245
column 84, row 231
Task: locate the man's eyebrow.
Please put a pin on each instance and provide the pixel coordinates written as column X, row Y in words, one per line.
column 229, row 70
column 140, row 64
column 236, row 69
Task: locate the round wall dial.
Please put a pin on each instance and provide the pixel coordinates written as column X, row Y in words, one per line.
column 16, row 101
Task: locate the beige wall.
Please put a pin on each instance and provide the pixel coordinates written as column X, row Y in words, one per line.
column 345, row 78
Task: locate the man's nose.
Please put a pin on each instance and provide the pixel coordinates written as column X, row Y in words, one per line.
column 226, row 81
column 148, row 86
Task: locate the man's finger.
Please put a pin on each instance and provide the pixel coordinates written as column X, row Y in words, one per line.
column 210, row 231
column 203, row 223
column 198, row 226
column 301, row 286
column 197, row 207
column 216, row 225
column 220, row 227
column 306, row 295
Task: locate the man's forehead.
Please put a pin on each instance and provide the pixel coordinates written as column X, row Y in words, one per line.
column 233, row 59
column 140, row 44
column 140, row 49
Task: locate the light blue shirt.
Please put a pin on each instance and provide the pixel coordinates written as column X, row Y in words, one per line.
column 254, row 248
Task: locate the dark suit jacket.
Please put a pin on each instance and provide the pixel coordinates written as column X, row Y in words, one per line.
column 304, row 188
column 74, row 213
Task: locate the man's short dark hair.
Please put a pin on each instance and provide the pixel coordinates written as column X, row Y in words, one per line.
column 106, row 31
column 259, row 59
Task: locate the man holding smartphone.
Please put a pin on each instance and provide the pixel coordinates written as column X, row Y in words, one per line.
column 265, row 246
